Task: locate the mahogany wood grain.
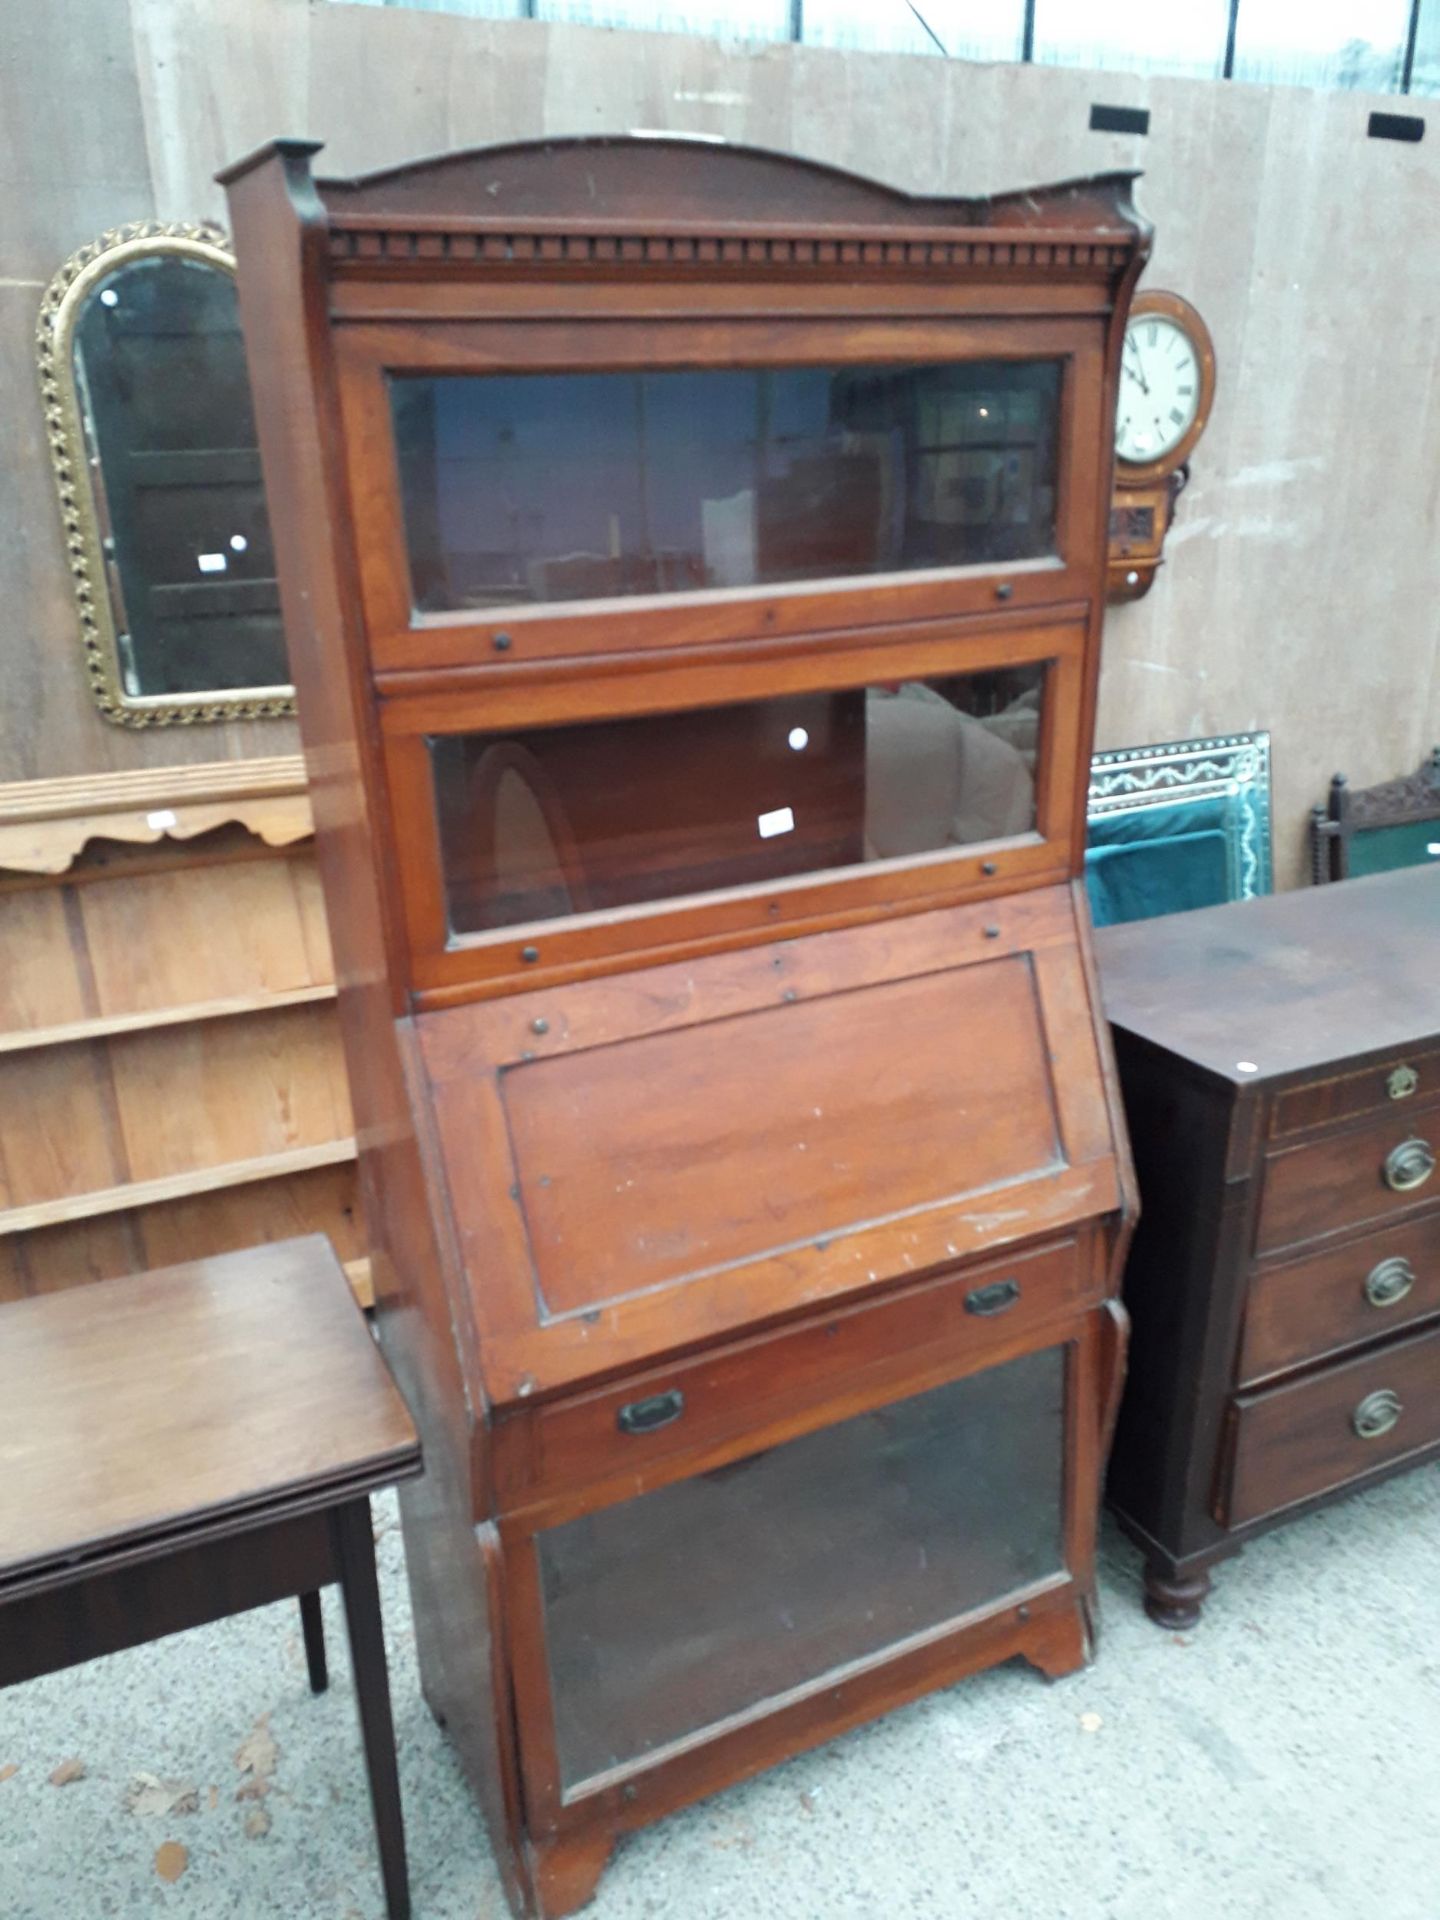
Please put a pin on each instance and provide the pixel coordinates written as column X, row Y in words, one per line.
column 130, row 1510
column 1291, row 982
column 1348, row 1095
column 1234, row 1417
column 1305, row 1309
column 572, row 1455
column 114, row 1395
column 278, row 224
column 938, row 1011
column 1299, row 1438
column 1058, row 1165
column 811, row 1119
column 1339, row 1181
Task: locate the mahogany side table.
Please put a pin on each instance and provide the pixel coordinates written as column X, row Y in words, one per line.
column 186, row 1444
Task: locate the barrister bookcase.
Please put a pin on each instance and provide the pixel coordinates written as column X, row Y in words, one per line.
column 692, row 563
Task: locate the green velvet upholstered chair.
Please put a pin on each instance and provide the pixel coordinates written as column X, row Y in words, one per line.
column 1179, row 825
column 1373, row 829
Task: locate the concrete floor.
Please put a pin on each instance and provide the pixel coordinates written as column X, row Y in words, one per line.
column 1281, row 1761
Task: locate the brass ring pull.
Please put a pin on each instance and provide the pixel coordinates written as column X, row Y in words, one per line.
column 1409, row 1165
column 1388, row 1284
column 1376, row 1414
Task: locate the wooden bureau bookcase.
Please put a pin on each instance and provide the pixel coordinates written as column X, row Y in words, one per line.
column 693, row 563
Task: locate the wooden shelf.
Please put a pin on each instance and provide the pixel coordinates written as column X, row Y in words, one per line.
column 151, row 1018
column 173, row 1186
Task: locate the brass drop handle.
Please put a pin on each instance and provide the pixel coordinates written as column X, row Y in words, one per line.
column 1376, row 1414
column 1388, row 1284
column 1409, row 1165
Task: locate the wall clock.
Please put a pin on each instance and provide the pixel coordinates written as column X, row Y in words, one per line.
column 1167, row 386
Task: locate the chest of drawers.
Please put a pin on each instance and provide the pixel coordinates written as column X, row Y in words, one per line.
column 1280, row 1062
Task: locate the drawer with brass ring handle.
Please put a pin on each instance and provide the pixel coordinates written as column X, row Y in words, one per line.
column 1386, row 1285
column 1409, row 1165
column 1376, row 1414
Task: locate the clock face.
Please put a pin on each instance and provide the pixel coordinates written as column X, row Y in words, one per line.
column 1159, row 389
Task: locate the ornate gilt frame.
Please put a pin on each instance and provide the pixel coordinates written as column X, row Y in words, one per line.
column 64, row 429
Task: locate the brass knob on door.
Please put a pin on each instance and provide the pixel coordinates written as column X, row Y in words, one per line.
column 1388, row 1284
column 1376, row 1414
column 1409, row 1165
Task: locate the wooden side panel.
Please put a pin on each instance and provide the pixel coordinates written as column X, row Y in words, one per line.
column 424, row 1320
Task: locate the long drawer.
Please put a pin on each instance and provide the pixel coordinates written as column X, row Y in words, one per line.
column 1379, row 1088
column 1314, row 1434
column 841, row 1362
column 1348, row 1179
column 1303, row 1310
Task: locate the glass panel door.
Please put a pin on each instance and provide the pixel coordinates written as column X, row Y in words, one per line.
column 551, row 821
column 674, row 1612
column 518, row 488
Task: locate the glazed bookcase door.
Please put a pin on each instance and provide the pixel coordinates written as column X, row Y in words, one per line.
column 672, row 487
column 739, row 1591
column 904, row 768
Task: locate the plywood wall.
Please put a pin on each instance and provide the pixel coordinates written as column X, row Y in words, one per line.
column 1303, row 590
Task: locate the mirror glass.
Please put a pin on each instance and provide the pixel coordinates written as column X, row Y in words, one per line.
column 164, row 404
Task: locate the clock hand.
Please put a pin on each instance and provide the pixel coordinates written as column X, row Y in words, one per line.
column 1136, row 369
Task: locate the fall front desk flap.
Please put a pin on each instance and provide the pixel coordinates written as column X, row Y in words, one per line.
column 639, row 1162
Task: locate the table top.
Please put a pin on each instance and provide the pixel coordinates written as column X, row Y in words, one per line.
column 183, row 1402
column 1288, row 983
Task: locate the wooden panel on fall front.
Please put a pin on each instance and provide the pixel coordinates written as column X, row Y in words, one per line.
column 171, row 1081
column 839, row 1112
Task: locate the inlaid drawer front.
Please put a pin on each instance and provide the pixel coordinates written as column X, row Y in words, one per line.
column 1314, row 1434
column 1304, row 1309
column 1346, row 1179
column 862, row 1352
column 1392, row 1086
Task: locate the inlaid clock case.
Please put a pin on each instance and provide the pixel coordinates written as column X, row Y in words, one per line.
column 693, row 563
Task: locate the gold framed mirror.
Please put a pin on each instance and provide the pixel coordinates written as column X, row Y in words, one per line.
column 152, row 434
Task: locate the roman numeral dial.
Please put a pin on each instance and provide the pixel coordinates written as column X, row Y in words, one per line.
column 1166, row 372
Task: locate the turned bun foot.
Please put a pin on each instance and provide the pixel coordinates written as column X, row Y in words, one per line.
column 1175, row 1600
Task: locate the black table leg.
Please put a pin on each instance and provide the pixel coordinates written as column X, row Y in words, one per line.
column 355, row 1559
column 313, row 1626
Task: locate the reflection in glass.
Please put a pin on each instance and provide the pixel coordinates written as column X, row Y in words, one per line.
column 577, row 486
column 668, row 1613
column 160, row 372
column 611, row 813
